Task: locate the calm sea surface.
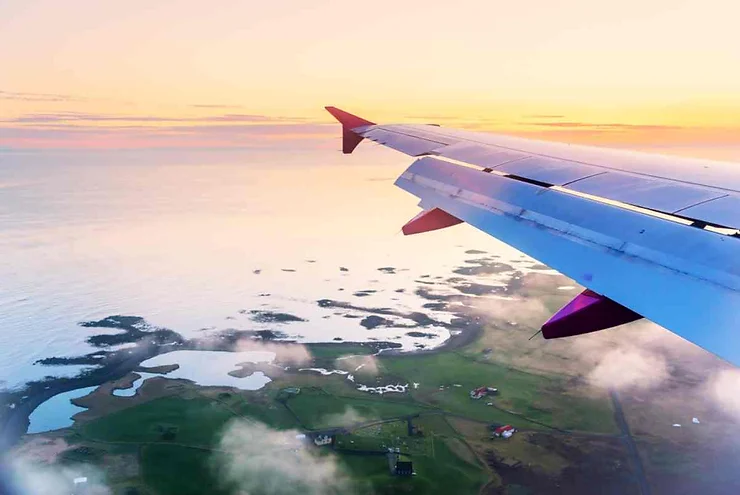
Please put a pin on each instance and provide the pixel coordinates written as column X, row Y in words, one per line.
column 188, row 239
column 177, row 237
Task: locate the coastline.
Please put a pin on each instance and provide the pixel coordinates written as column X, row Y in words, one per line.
column 148, row 341
column 118, row 364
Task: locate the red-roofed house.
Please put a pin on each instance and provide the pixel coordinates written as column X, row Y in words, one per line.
column 504, row 431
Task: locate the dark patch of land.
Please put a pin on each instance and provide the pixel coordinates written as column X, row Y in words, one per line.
column 374, row 321
column 364, row 293
column 483, row 267
column 477, row 289
column 421, row 335
column 134, row 328
column 435, row 306
column 264, row 316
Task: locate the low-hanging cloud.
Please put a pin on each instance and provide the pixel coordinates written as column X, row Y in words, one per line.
column 287, row 353
column 349, row 417
column 521, row 311
column 629, row 368
column 358, row 364
column 253, row 458
column 23, row 476
column 724, row 388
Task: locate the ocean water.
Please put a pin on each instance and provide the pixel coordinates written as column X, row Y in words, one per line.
column 194, row 241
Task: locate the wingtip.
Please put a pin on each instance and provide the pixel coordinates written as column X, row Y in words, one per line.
column 348, row 120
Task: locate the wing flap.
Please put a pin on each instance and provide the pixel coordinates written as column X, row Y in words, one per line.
column 678, row 276
column 582, row 169
column 720, row 211
column 570, row 207
column 646, row 192
column 549, row 170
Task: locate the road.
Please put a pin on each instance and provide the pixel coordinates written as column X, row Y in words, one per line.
column 629, row 443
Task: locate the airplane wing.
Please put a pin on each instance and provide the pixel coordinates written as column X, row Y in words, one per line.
column 649, row 235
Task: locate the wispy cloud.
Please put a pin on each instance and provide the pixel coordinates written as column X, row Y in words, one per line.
column 40, row 97
column 543, row 116
column 71, row 129
column 69, row 117
column 137, row 136
column 215, row 106
column 611, row 126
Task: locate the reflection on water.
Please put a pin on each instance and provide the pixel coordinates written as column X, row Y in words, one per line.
column 131, row 391
column 177, row 239
column 211, row 368
column 188, row 239
column 56, row 412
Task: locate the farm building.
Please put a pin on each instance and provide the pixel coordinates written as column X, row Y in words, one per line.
column 504, row 431
column 480, row 392
column 321, row 440
column 399, row 464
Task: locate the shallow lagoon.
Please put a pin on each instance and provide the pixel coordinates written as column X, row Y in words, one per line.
column 56, row 412
column 211, row 368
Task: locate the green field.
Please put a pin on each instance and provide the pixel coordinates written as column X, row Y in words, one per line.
column 169, row 441
column 442, row 472
column 316, row 408
column 175, row 438
column 445, row 380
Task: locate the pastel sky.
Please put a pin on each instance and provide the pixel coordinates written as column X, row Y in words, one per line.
column 189, row 73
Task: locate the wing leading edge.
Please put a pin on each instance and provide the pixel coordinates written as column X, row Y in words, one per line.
column 632, row 240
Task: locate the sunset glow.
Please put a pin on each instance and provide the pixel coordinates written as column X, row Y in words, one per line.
column 86, row 74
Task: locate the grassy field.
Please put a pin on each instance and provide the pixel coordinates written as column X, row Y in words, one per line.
column 175, row 430
column 175, row 436
column 317, row 409
column 445, row 380
column 439, row 472
column 178, row 470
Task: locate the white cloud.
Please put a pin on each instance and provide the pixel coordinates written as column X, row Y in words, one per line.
column 27, row 477
column 253, row 458
column 629, row 368
column 348, row 418
column 724, row 389
column 358, row 364
column 285, row 353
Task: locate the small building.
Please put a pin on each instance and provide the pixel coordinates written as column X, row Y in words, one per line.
column 480, row 392
column 321, row 440
column 404, row 466
column 505, row 431
column 399, row 464
column 80, row 485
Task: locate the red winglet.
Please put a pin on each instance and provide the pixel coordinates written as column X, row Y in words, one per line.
column 350, row 140
column 428, row 220
column 587, row 312
column 347, row 119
